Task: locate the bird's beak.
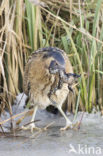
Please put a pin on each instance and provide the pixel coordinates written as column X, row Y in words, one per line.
column 73, row 75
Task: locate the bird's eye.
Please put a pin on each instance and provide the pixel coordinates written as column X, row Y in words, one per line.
column 53, row 64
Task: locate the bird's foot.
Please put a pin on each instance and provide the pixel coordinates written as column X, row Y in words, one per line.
column 64, row 128
column 76, row 125
column 31, row 127
column 44, row 129
column 68, row 126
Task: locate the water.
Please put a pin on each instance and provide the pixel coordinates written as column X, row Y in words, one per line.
column 88, row 140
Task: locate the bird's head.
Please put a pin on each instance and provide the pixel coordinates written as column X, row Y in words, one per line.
column 69, row 78
column 55, row 67
column 54, row 59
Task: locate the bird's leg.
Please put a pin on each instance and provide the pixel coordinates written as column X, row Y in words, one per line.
column 68, row 122
column 32, row 126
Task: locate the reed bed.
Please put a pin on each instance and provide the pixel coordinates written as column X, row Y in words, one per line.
column 73, row 25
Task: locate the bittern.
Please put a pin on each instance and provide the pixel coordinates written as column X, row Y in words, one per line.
column 48, row 78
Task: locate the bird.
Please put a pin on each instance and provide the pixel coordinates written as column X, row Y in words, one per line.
column 48, row 78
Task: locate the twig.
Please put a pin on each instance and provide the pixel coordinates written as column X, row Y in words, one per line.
column 13, row 117
column 2, row 130
column 77, row 106
column 80, row 120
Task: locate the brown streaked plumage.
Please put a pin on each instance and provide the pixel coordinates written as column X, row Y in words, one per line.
column 47, row 79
